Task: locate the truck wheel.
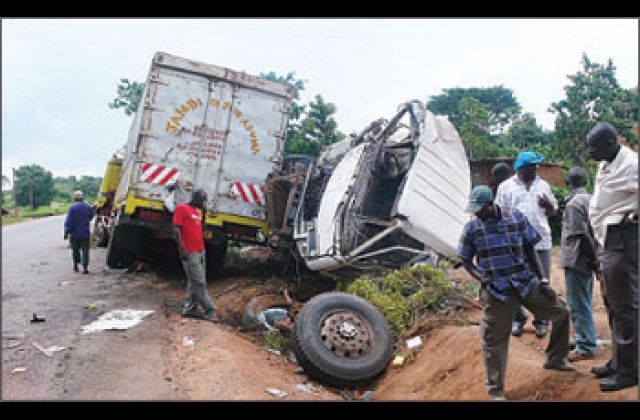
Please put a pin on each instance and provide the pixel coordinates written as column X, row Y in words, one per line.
column 119, row 255
column 342, row 340
column 215, row 259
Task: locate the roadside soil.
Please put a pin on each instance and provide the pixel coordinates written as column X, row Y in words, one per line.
column 450, row 365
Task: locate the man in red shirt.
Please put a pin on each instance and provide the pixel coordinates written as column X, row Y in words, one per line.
column 187, row 226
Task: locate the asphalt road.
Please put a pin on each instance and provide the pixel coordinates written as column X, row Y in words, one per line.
column 37, row 277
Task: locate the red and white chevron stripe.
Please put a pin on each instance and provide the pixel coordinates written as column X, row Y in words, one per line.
column 158, row 174
column 251, row 193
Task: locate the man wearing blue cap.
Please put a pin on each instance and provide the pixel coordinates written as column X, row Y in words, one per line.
column 501, row 241
column 532, row 196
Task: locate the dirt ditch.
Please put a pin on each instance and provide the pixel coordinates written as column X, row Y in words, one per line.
column 228, row 362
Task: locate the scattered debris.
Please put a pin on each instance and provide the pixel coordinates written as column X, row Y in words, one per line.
column 414, row 342
column 90, row 306
column 19, row 370
column 65, row 283
column 299, row 371
column 367, row 396
column 269, row 317
column 276, row 392
column 291, row 358
column 118, row 319
column 603, row 343
column 49, row 350
column 37, row 319
column 304, row 388
column 275, row 352
column 398, row 361
column 186, row 341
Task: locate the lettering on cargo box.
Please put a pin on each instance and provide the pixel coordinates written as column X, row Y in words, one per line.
column 173, row 125
column 208, row 149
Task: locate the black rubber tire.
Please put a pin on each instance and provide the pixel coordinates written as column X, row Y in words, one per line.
column 325, row 366
column 215, row 259
column 122, row 247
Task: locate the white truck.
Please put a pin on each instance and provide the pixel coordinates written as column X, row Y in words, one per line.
column 391, row 195
column 197, row 126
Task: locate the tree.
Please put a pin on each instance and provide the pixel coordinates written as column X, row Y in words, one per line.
column 525, row 134
column 593, row 95
column 474, row 129
column 34, row 186
column 499, row 101
column 64, row 187
column 129, row 96
column 317, row 130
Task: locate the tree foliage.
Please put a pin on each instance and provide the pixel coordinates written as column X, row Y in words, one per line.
column 34, row 186
column 129, row 96
column 474, row 129
column 592, row 95
column 317, row 129
column 65, row 186
column 499, row 102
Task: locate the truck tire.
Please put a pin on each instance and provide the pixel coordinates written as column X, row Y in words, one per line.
column 120, row 253
column 342, row 340
column 215, row 259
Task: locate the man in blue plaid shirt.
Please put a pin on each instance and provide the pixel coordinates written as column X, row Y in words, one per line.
column 510, row 273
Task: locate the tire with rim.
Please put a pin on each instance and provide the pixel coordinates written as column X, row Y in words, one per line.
column 342, row 340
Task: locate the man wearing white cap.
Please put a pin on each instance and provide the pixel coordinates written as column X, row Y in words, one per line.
column 76, row 228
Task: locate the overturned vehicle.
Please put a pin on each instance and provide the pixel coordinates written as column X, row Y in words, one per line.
column 392, row 195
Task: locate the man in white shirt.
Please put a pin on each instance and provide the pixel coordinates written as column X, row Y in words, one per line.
column 613, row 211
column 532, row 196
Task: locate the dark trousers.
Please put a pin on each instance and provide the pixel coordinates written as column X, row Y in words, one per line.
column 619, row 287
column 79, row 246
column 521, row 314
column 495, row 331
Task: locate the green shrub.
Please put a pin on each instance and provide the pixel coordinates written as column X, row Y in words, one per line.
column 402, row 295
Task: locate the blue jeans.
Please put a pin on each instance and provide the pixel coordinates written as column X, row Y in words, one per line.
column 521, row 315
column 579, row 288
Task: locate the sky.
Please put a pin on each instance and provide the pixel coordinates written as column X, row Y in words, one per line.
column 59, row 74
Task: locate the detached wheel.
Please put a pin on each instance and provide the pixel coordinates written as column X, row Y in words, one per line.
column 342, row 340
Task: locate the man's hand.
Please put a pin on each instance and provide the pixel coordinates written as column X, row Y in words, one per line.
column 545, row 203
column 546, row 289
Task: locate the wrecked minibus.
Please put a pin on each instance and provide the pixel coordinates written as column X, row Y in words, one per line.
column 394, row 194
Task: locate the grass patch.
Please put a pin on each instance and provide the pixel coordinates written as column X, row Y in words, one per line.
column 274, row 340
column 406, row 295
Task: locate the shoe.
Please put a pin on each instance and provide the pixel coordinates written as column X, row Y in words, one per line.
column 603, row 371
column 616, row 382
column 541, row 330
column 576, row 356
column 85, row 271
column 75, row 268
column 211, row 316
column 564, row 366
column 192, row 313
column 517, row 328
column 498, row 397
